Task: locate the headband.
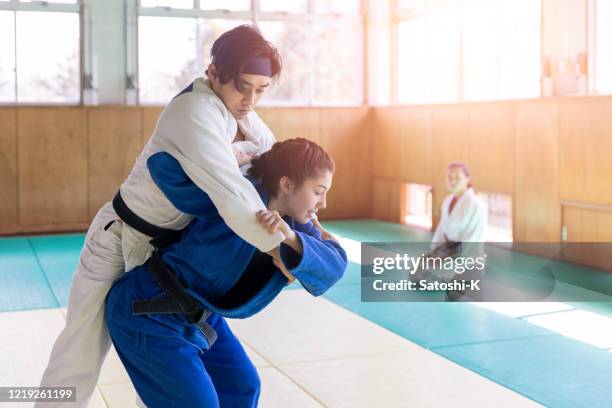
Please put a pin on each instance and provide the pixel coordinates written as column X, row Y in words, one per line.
column 258, row 66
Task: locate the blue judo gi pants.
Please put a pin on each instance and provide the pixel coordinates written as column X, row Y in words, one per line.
column 172, row 372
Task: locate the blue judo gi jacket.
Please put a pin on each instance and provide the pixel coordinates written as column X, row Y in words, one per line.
column 210, row 261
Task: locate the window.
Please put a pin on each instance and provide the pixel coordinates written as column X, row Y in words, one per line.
column 320, row 42
column 603, row 43
column 449, row 51
column 172, row 52
column 7, row 57
column 418, row 206
column 38, row 68
column 499, row 225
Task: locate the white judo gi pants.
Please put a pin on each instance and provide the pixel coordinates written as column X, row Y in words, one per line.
column 80, row 349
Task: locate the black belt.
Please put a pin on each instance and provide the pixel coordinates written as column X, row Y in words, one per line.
column 179, row 300
column 160, row 237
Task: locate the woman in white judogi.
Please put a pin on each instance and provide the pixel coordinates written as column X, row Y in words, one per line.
column 463, row 217
column 197, row 128
column 463, row 220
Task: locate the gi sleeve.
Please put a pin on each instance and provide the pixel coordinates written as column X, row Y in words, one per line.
column 321, row 264
column 201, row 146
column 169, row 176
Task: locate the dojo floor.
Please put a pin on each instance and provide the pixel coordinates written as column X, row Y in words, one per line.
column 336, row 351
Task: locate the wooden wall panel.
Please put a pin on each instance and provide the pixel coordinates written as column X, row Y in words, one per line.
column 450, row 130
column 52, row 166
column 288, row 123
column 150, row 115
column 402, row 144
column 8, row 169
column 345, row 134
column 114, row 141
column 585, row 147
column 346, row 137
column 537, row 209
column 491, row 146
column 388, row 200
column 586, row 226
column 387, row 143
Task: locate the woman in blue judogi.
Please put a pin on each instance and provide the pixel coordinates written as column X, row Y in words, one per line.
column 174, row 360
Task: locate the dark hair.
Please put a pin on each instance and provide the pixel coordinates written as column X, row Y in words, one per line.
column 464, row 168
column 297, row 159
column 236, row 47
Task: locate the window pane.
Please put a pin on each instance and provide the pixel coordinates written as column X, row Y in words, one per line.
column 520, row 64
column 232, row 5
column 338, row 62
column 48, row 65
column 442, row 56
column 291, row 39
column 428, row 58
column 7, row 57
column 293, row 6
column 182, row 4
column 603, row 54
column 337, row 6
column 166, row 55
column 411, row 61
column 481, row 50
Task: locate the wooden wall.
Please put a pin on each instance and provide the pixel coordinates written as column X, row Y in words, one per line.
column 8, row 169
column 58, row 165
column 546, row 154
column 345, row 134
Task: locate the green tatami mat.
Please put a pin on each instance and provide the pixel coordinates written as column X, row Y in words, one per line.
column 376, row 231
column 58, row 256
column 554, row 371
column 23, row 284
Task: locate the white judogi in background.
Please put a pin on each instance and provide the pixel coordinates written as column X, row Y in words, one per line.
column 466, row 222
column 197, row 129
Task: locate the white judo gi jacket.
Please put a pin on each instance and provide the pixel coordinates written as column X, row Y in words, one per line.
column 466, row 223
column 197, row 129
